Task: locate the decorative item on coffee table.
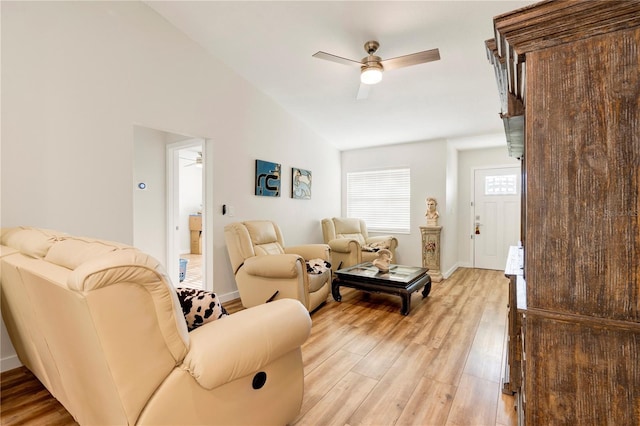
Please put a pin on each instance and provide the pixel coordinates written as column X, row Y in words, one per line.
column 383, row 260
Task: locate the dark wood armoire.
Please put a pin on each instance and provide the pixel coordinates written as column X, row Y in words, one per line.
column 568, row 73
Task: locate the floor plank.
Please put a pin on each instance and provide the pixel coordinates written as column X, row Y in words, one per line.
column 390, row 396
column 339, row 403
column 475, row 402
column 429, row 404
column 323, row 379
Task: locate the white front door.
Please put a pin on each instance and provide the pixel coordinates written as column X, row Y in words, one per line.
column 496, row 215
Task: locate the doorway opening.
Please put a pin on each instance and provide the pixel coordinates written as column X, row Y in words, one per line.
column 185, row 206
column 158, row 224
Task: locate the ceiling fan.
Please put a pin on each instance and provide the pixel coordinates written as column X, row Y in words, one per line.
column 195, row 161
column 372, row 67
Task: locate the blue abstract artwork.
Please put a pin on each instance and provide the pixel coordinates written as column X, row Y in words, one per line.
column 268, row 178
column 300, row 184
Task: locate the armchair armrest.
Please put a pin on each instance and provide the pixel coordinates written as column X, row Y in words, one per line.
column 242, row 343
column 393, row 241
column 275, row 266
column 311, row 251
column 344, row 245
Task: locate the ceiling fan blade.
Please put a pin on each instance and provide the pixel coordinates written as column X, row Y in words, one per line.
column 338, row 59
column 412, row 59
column 363, row 91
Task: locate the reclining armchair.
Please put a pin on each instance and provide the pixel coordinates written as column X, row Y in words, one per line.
column 351, row 244
column 266, row 270
column 101, row 326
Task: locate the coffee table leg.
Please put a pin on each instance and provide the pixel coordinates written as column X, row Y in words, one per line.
column 426, row 290
column 335, row 291
column 406, row 303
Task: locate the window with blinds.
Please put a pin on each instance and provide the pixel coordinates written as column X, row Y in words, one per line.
column 381, row 198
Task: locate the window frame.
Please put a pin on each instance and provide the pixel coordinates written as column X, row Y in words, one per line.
column 377, row 194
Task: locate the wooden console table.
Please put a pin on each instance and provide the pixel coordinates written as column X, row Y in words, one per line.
column 512, row 380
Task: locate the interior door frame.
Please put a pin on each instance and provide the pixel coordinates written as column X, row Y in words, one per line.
column 472, row 219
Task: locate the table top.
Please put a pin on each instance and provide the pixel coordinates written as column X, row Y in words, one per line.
column 515, row 261
column 397, row 273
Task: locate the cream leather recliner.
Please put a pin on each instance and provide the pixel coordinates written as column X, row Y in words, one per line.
column 265, row 269
column 351, row 244
column 100, row 325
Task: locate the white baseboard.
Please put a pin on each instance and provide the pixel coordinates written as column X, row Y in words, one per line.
column 9, row 363
column 450, row 271
column 229, row 296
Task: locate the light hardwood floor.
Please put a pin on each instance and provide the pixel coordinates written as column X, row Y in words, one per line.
column 441, row 365
column 365, row 363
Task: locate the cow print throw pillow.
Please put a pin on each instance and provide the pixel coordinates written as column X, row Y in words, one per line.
column 199, row 306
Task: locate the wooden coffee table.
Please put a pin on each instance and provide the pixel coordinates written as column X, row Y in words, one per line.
column 401, row 280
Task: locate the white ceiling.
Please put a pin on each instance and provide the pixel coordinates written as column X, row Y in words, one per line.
column 271, row 45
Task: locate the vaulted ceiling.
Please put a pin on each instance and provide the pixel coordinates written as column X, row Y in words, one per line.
column 271, row 45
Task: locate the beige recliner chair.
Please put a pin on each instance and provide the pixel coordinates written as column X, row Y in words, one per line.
column 351, row 244
column 101, row 326
column 266, row 270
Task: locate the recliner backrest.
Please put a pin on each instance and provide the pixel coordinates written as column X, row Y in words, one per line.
column 350, row 228
column 252, row 238
column 265, row 237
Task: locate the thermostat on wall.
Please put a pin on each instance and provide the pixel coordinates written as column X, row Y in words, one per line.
column 142, row 185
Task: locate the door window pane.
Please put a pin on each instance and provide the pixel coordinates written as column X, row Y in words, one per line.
column 500, row 185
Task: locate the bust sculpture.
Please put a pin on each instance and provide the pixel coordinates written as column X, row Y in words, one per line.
column 432, row 214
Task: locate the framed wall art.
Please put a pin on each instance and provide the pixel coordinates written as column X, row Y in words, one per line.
column 300, row 184
column 268, row 178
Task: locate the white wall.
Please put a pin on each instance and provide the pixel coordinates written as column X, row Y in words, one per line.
column 150, row 205
column 149, row 211
column 78, row 76
column 468, row 161
column 442, row 169
column 427, row 161
column 450, row 234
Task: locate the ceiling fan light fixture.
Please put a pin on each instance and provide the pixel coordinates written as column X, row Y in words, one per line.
column 371, row 74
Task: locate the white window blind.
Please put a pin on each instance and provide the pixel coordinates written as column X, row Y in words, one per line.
column 381, row 198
